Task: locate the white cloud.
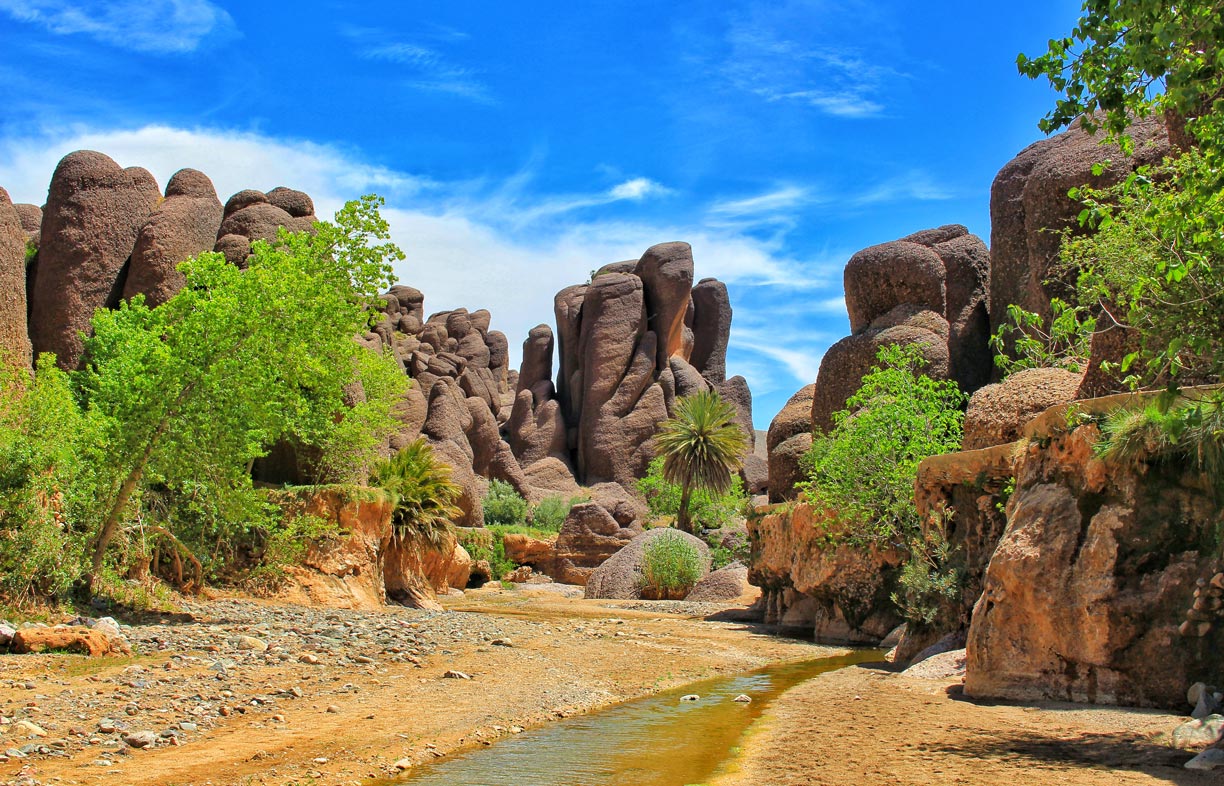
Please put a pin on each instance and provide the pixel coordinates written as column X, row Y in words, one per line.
column 426, row 67
column 157, row 26
column 785, row 198
column 637, row 188
column 782, row 58
column 476, row 245
column 910, row 186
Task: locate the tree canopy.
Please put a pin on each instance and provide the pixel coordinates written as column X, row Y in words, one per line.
column 701, row 446
column 1128, row 58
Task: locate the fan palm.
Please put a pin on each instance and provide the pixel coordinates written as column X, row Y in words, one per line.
column 422, row 493
column 701, row 446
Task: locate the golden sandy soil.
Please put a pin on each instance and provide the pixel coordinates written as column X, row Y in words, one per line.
column 568, row 656
column 862, row 725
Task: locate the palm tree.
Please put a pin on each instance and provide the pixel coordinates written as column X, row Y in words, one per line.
column 422, row 493
column 701, row 446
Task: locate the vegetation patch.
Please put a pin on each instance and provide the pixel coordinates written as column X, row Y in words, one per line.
column 670, row 566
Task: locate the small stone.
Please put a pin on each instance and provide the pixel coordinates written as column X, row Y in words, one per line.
column 278, row 718
column 320, row 760
column 140, row 739
column 455, row 675
column 1194, row 691
column 516, row 729
column 363, row 659
column 107, row 726
column 252, row 643
column 30, row 727
column 402, row 764
column 332, row 708
column 743, row 698
column 502, row 643
column 306, row 657
column 690, row 697
column 297, row 692
column 188, row 726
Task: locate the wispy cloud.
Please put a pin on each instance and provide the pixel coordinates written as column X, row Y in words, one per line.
column 154, row 26
column 913, row 185
column 781, row 57
column 426, row 67
column 785, row 198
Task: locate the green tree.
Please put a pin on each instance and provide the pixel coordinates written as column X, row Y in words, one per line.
column 422, row 493
column 866, row 466
column 1153, row 265
column 707, row 509
column 701, row 446
column 44, row 484
column 197, row 388
column 1127, row 58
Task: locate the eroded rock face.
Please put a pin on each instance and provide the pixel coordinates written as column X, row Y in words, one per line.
column 183, row 225
column 367, row 566
column 94, row 212
column 929, row 290
column 253, row 215
column 997, row 413
column 1091, row 580
column 791, row 425
column 839, row 593
column 14, row 336
column 846, row 363
column 711, row 329
column 1029, row 206
column 589, row 537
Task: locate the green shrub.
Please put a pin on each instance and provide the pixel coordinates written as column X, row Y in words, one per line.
column 486, row 544
column 550, row 514
column 707, row 509
column 1026, row 340
column 503, row 505
column 670, row 565
column 930, row 582
column 866, row 466
column 421, row 491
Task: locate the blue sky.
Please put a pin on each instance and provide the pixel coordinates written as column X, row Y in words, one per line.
column 521, row 145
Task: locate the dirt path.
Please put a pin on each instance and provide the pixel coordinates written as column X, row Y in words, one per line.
column 360, row 710
column 864, row 726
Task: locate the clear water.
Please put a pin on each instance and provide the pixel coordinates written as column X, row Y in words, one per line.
column 654, row 741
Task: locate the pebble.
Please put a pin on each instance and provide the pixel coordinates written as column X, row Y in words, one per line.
column 1207, row 760
column 140, row 739
column 402, row 764
column 456, row 675
column 690, row 697
column 743, row 698
column 31, row 728
column 212, row 649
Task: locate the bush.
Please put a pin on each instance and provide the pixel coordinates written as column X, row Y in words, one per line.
column 931, row 582
column 670, row 565
column 550, row 514
column 487, row 545
column 421, row 490
column 865, row 468
column 503, row 505
column 707, row 509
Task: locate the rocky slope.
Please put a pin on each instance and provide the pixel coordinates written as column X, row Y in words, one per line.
column 628, row 343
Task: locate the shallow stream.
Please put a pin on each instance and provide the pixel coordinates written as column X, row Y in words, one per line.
column 654, row 741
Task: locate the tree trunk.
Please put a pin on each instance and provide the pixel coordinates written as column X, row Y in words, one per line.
column 115, row 514
column 682, row 517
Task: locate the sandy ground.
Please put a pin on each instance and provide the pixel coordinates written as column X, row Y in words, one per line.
column 354, row 722
column 861, row 725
